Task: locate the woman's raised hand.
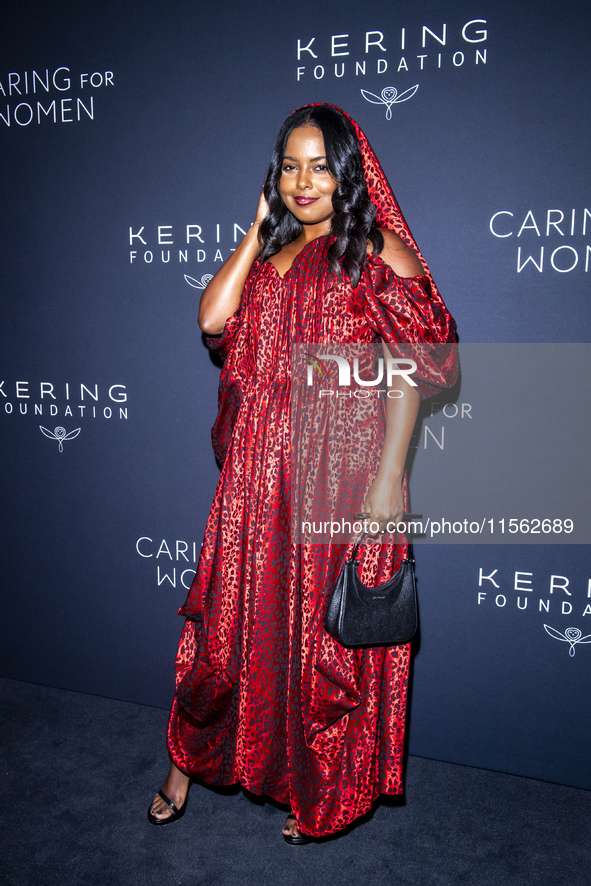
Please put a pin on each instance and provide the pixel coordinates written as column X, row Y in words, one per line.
column 262, row 209
column 222, row 295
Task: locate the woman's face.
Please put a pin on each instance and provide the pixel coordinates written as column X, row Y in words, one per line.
column 306, row 186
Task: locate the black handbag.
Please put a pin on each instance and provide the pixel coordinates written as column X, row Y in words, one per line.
column 382, row 616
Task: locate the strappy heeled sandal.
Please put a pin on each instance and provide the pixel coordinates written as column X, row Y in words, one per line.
column 176, row 812
column 292, row 840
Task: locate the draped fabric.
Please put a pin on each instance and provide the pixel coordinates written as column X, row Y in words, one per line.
column 264, row 696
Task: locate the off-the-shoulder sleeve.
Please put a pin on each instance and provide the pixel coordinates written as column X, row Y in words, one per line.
column 409, row 312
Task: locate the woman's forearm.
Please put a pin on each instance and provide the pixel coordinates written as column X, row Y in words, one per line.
column 401, row 416
column 221, row 297
column 384, row 500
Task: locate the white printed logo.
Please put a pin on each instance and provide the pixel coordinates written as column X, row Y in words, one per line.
column 199, row 284
column 389, row 97
column 571, row 635
column 60, row 435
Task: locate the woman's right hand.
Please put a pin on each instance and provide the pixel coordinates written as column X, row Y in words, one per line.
column 262, row 209
column 222, row 295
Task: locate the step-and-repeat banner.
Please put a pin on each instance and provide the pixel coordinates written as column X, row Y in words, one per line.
column 135, row 139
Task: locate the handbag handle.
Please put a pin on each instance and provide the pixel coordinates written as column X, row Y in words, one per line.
column 363, row 533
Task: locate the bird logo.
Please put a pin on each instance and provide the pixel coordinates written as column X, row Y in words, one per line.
column 389, row 96
column 571, row 635
column 60, row 435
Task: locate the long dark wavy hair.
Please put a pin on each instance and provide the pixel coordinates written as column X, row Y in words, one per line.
column 353, row 223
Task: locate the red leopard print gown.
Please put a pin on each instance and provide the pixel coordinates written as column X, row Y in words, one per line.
column 264, row 696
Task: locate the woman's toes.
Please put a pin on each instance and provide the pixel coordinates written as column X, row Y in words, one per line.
column 160, row 809
column 290, row 826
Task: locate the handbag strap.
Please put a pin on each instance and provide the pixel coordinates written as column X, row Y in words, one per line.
column 364, row 534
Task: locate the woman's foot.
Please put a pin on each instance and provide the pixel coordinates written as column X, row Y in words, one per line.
column 176, row 788
column 291, row 833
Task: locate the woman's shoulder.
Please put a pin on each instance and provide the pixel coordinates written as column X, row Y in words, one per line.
column 397, row 255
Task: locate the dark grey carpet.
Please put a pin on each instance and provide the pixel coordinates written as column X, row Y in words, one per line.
column 80, row 771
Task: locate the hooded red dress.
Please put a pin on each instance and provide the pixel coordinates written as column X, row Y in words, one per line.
column 264, row 696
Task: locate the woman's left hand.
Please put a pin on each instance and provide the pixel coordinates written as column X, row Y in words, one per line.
column 384, row 504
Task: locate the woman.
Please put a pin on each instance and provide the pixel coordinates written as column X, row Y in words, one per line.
column 264, row 696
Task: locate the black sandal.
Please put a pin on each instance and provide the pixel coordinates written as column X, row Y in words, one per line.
column 290, row 839
column 176, row 812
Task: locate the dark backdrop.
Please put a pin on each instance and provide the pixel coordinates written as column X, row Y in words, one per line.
column 131, row 160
